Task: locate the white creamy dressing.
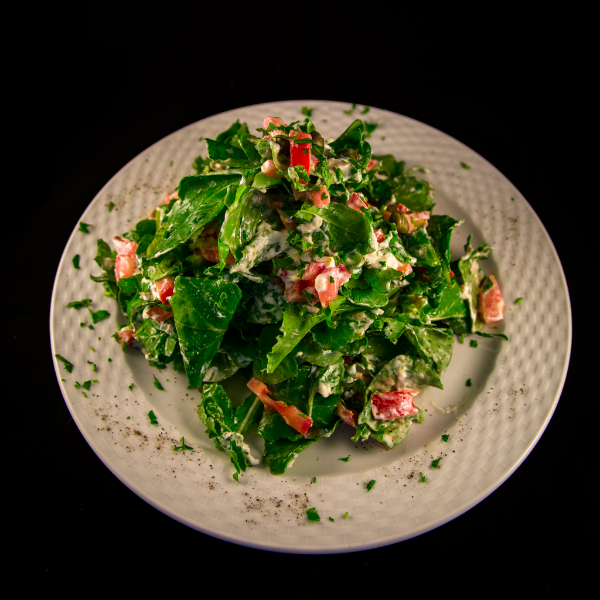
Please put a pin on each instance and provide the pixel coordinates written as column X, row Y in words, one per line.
column 312, row 309
column 308, row 228
column 239, row 439
column 339, row 163
column 375, row 260
column 152, row 294
column 324, row 389
column 377, row 311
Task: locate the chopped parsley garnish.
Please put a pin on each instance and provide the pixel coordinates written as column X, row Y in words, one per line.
column 462, row 338
column 383, row 138
column 92, row 349
column 436, row 463
column 111, row 205
column 153, row 419
column 68, row 365
column 183, row 445
column 491, row 335
column 365, row 110
column 371, row 127
column 331, row 279
column 170, row 163
column 99, row 315
column 345, row 515
column 473, row 343
column 313, row 515
column 344, row 459
column 307, row 111
column 110, row 360
column 423, row 478
column 331, row 519
column 90, row 327
column 445, row 437
column 158, row 385
column 464, row 165
column 518, row 300
column 350, row 110
column 314, row 480
column 81, row 324
column 79, row 303
column 131, row 387
column 512, row 199
column 324, row 120
column 83, row 227
column 76, row 261
column 85, row 385
column 370, row 485
column 89, row 362
column 469, row 384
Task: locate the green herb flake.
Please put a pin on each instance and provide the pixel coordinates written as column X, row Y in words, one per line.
column 462, row 338
column 153, row 419
column 344, row 459
column 345, row 515
column 512, row 199
column 445, row 437
column 76, row 261
column 314, row 480
column 383, row 138
column 170, row 163
column 110, row 360
column 131, row 387
column 158, row 385
column 491, row 335
column 79, row 303
column 473, row 343
column 324, row 120
column 469, row 384
column 518, row 300
column 331, row 279
column 350, row 110
column 68, row 365
column 81, row 324
column 307, row 111
column 464, row 165
column 436, row 463
column 370, row 485
column 90, row 327
column 99, row 315
column 111, row 205
column 365, row 110
column 92, row 349
column 313, row 515
column 83, row 227
column 89, row 362
column 129, row 417
column 183, row 445
column 331, row 519
column 423, row 478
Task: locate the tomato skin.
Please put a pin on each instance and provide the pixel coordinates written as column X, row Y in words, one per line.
column 379, row 235
column 126, row 261
column 165, row 288
column 291, row 415
column 158, row 314
column 277, row 121
column 125, row 335
column 340, row 276
column 320, row 198
column 269, row 168
column 169, row 197
column 312, row 270
column 491, row 303
column 300, row 153
column 357, row 202
column 371, row 164
column 393, row 405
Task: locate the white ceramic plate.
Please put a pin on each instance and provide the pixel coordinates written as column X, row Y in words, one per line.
column 493, row 425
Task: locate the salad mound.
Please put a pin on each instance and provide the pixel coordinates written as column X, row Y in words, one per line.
column 317, row 271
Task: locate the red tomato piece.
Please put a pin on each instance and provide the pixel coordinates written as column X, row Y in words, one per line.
column 357, row 202
column 277, row 121
column 379, row 235
column 269, row 168
column 371, row 164
column 347, row 415
column 328, row 283
column 164, row 287
column 169, row 197
column 124, row 247
column 300, row 153
column 158, row 314
column 393, row 405
column 291, row 415
column 492, row 303
column 125, row 335
column 125, row 266
column 312, row 270
column 403, row 209
column 320, row 198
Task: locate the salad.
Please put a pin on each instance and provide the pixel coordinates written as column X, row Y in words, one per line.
column 314, row 270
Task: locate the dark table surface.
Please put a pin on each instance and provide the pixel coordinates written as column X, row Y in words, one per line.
column 107, row 99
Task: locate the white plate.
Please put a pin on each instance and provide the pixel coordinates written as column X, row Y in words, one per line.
column 493, row 425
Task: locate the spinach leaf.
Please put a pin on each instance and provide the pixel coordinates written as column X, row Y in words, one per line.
column 248, row 413
column 231, row 156
column 360, row 292
column 202, row 310
column 440, row 229
column 350, row 328
column 280, row 454
column 351, row 143
column 201, row 199
column 404, row 372
column 433, row 344
column 416, row 194
column 286, row 368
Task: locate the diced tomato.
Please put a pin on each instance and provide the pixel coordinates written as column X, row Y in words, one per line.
column 371, row 164
column 300, row 153
column 158, row 314
column 403, row 209
column 291, row 415
column 328, row 283
column 277, row 121
column 379, row 235
column 164, row 287
column 312, row 270
column 347, row 415
column 269, row 168
column 393, row 405
column 169, row 197
column 320, row 197
column 124, row 247
column 357, row 202
column 125, row 266
column 451, row 273
column 125, row 335
column 492, row 303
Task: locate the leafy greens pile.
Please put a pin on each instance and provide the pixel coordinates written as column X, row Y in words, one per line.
column 234, row 242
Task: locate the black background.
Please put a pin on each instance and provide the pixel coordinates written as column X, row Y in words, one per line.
column 96, row 96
